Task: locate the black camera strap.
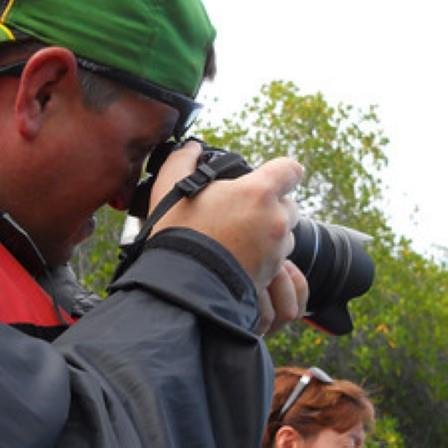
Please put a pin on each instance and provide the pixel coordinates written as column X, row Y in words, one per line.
column 226, row 165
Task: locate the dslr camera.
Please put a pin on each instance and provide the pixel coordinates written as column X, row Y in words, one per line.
column 332, row 257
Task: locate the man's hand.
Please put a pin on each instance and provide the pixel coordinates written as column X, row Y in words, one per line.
column 252, row 217
column 284, row 300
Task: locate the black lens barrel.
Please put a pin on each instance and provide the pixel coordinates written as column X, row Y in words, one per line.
column 334, row 261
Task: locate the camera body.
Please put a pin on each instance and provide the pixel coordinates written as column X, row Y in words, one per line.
column 332, row 258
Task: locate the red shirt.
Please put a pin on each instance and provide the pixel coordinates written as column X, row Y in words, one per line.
column 22, row 301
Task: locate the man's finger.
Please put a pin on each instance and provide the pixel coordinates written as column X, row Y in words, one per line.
column 281, row 175
column 292, row 210
column 300, row 286
column 283, row 296
column 267, row 313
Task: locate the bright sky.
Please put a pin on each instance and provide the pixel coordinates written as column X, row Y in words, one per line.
column 393, row 53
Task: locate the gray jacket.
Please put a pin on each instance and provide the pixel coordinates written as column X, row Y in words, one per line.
column 168, row 360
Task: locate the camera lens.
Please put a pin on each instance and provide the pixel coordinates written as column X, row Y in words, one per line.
column 337, row 267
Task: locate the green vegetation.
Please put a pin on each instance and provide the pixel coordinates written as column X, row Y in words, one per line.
column 96, row 259
column 398, row 349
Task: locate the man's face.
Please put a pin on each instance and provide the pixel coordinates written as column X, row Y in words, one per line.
column 96, row 157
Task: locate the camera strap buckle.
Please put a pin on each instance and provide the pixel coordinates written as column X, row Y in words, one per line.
column 193, row 184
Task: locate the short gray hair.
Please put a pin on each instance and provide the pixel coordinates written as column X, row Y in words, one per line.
column 98, row 92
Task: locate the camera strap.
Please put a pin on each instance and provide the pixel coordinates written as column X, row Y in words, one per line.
column 226, row 166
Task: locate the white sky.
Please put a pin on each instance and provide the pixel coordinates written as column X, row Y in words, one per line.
column 393, row 53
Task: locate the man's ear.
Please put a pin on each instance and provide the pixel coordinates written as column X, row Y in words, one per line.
column 49, row 73
column 288, row 437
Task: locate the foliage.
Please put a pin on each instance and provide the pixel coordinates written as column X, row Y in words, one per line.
column 95, row 260
column 341, row 149
column 386, row 434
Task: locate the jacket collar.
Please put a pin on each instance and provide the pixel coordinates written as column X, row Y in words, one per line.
column 21, row 246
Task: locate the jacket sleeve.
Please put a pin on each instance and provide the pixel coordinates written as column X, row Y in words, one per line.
column 170, row 359
column 34, row 391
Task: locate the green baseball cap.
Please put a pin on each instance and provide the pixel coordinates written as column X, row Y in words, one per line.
column 163, row 42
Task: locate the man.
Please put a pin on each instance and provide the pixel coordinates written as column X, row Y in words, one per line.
column 172, row 357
